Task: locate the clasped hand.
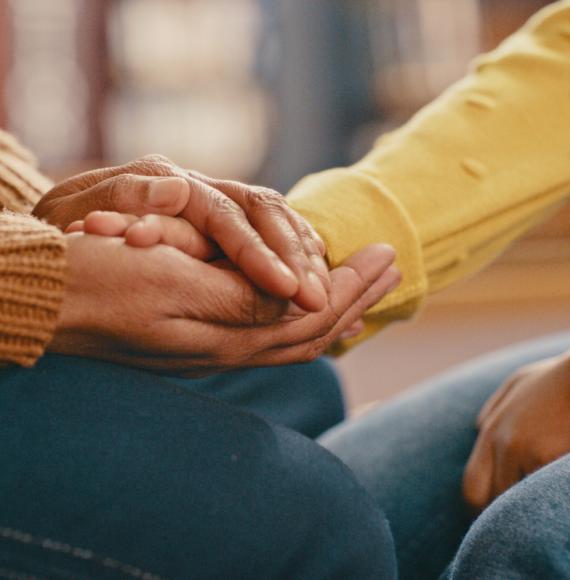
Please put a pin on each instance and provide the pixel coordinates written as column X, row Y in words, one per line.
column 229, row 277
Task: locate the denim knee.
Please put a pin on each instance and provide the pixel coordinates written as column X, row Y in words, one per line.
column 343, row 534
column 524, row 534
column 305, row 397
column 324, row 401
column 105, row 467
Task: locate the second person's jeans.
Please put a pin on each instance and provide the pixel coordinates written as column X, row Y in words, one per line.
column 411, row 453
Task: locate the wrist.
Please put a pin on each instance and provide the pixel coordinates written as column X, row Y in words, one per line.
column 74, row 310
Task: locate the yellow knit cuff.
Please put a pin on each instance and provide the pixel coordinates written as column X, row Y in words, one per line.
column 351, row 210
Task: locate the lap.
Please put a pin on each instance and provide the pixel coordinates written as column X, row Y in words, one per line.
column 524, row 534
column 111, row 472
column 411, row 453
column 306, row 398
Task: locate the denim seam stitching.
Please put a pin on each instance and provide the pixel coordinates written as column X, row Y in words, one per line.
column 14, row 575
column 78, row 553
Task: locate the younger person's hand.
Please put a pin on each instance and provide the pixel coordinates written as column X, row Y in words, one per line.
column 523, row 427
column 147, row 231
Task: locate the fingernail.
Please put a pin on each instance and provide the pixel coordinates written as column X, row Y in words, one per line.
column 352, row 332
column 397, row 280
column 137, row 226
column 388, row 249
column 164, row 191
column 348, row 334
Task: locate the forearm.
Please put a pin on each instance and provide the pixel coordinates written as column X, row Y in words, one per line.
column 32, row 280
column 464, row 178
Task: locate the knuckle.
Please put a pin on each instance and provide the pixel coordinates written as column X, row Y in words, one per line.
column 221, row 208
column 154, row 165
column 263, row 198
column 119, row 193
column 155, row 158
column 222, row 204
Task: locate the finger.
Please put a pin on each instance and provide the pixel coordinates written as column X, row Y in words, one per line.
column 76, row 226
column 478, row 475
column 221, row 346
column 153, row 165
column 303, row 258
column 315, row 347
column 108, row 223
column 313, row 245
column 353, row 292
column 352, row 332
column 286, row 233
column 350, row 283
column 176, row 232
column 507, row 471
column 495, row 400
column 126, row 193
column 218, row 217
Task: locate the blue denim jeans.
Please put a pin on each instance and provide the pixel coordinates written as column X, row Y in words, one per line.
column 108, row 472
column 410, row 455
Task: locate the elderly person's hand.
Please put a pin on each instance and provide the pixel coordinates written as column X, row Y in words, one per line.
column 523, row 427
column 271, row 244
column 159, row 309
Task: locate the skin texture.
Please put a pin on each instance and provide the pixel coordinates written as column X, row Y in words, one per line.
column 522, row 428
column 252, row 226
column 159, row 309
column 149, row 230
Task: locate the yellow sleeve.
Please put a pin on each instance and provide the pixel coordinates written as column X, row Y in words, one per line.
column 470, row 173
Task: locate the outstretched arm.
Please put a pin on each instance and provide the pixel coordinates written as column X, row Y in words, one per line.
column 473, row 171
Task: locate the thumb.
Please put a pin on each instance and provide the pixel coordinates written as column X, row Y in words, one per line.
column 127, row 193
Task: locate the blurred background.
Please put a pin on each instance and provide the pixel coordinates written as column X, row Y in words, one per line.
column 268, row 91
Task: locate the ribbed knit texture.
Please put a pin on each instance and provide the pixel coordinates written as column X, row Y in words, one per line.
column 32, row 260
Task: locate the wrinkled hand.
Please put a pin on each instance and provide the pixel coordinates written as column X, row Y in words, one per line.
column 151, row 229
column 159, row 309
column 270, row 243
column 523, row 427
